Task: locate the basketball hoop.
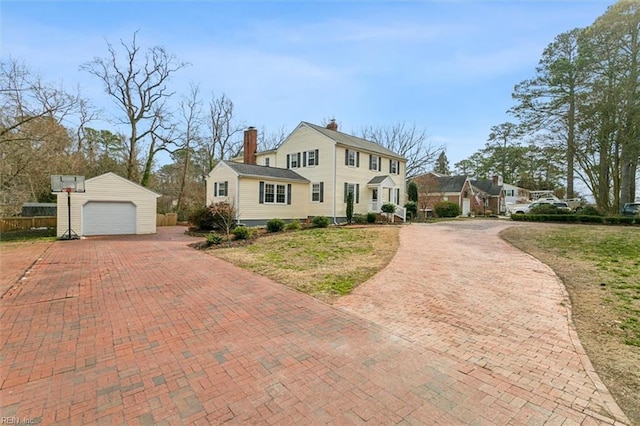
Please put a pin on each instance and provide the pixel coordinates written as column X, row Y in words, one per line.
column 68, row 184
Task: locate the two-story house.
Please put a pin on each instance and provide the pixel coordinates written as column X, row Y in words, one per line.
column 309, row 174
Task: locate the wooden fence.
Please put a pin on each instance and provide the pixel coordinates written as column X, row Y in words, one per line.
column 8, row 224
column 169, row 219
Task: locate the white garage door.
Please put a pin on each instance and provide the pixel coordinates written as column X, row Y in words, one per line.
column 108, row 218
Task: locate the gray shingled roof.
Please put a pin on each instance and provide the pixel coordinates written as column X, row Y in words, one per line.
column 264, row 171
column 486, row 185
column 451, row 183
column 377, row 179
column 353, row 141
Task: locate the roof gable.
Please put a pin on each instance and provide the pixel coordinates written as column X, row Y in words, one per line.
column 348, row 140
column 451, row 183
column 486, row 185
column 110, row 176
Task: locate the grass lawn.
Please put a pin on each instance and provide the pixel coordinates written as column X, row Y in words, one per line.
column 600, row 267
column 28, row 235
column 325, row 263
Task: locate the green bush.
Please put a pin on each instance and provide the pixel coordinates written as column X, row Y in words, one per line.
column 412, row 209
column 372, row 217
column 389, row 208
column 241, row 232
column 546, row 209
column 275, row 225
column 212, row 218
column 214, row 239
column 294, row 225
column 320, row 221
column 447, row 209
column 590, row 211
column 585, row 218
column 359, row 218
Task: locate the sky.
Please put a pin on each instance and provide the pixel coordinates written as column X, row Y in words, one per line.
column 448, row 67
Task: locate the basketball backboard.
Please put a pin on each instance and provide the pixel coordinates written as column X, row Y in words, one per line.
column 64, row 183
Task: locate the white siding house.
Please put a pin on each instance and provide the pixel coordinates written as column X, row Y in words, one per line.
column 111, row 205
column 320, row 166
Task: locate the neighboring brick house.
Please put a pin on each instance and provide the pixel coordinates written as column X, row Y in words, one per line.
column 475, row 196
column 309, row 174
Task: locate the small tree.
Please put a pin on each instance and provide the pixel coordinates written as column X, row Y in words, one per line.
column 225, row 215
column 447, row 209
column 412, row 191
column 389, row 209
column 349, row 207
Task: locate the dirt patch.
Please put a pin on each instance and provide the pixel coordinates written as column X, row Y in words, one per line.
column 597, row 321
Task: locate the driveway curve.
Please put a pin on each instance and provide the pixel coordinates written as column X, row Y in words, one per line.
column 146, row 330
column 459, row 290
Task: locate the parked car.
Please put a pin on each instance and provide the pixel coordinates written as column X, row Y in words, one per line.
column 561, row 205
column 631, row 209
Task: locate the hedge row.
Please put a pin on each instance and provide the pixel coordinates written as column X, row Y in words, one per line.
column 577, row 218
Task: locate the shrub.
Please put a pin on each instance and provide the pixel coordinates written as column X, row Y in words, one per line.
column 446, row 209
column 275, row 225
column 412, row 209
column 545, row 209
column 590, row 211
column 202, row 219
column 217, row 216
column 389, row 208
column 241, row 232
column 372, row 217
column 214, row 239
column 320, row 221
column 294, row 225
column 359, row 218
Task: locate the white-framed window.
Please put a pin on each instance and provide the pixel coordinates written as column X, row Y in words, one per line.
column 312, row 159
column 293, row 163
column 220, row 189
column 394, row 167
column 352, row 188
column 281, row 194
column 374, row 162
column 317, row 192
column 351, row 158
column 269, row 193
column 274, row 193
column 374, row 195
column 266, row 161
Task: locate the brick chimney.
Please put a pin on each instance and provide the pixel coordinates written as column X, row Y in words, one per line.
column 250, row 145
column 497, row 180
column 333, row 125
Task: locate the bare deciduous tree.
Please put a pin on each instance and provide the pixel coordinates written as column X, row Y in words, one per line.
column 220, row 144
column 409, row 142
column 138, row 84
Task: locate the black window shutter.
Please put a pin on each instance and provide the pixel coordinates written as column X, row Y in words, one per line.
column 346, row 157
column 390, row 167
column 317, row 157
column 346, row 190
column 379, row 164
column 288, row 193
column 357, row 193
column 226, row 188
column 215, row 189
column 304, row 159
column 287, row 161
column 370, row 162
column 262, row 191
column 321, row 192
column 298, row 159
column 358, row 159
column 390, row 194
column 398, row 195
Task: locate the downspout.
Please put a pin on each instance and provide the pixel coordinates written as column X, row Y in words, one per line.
column 335, row 176
column 237, row 202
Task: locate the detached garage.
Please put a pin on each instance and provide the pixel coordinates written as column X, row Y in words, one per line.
column 110, row 205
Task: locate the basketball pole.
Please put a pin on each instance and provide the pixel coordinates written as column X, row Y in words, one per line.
column 69, row 212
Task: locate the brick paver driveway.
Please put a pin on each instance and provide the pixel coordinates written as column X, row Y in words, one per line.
column 144, row 330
